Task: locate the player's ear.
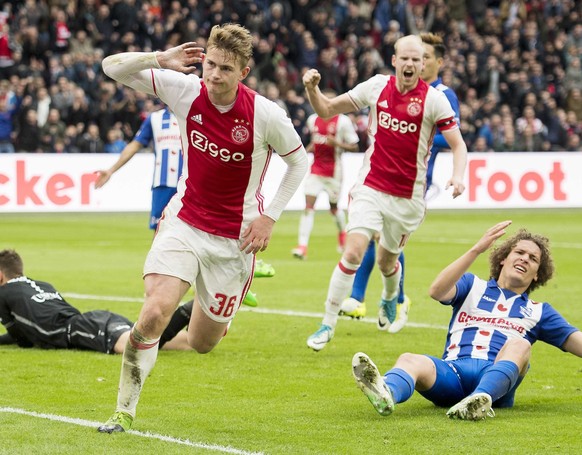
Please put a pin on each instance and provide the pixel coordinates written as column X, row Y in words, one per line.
column 245, row 72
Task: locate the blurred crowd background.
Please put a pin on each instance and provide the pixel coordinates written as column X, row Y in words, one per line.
column 515, row 65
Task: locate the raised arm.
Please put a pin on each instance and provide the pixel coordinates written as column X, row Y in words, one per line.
column 443, row 288
column 133, row 68
column 323, row 106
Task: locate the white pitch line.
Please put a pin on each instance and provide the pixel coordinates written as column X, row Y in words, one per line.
column 89, row 423
column 292, row 313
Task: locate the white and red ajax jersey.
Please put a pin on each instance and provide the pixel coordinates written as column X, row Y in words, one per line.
column 327, row 158
column 225, row 154
column 401, row 128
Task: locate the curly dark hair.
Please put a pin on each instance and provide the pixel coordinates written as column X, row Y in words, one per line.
column 546, row 268
column 11, row 264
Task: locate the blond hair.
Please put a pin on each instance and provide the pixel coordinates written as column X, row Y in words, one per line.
column 234, row 40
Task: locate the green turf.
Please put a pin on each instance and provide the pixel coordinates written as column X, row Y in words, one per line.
column 262, row 389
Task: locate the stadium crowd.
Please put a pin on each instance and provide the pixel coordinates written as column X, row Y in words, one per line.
column 516, row 65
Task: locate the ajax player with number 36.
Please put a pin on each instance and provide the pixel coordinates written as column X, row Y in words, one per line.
column 213, row 227
column 388, row 196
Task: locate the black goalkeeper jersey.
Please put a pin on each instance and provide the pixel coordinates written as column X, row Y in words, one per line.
column 34, row 313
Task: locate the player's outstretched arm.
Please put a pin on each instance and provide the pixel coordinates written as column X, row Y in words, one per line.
column 126, row 154
column 443, row 287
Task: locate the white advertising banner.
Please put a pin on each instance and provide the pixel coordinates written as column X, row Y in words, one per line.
column 66, row 183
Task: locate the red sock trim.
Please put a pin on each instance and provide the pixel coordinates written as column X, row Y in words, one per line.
column 345, row 270
column 140, row 345
column 395, row 271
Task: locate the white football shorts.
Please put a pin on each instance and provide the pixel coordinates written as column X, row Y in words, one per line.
column 214, row 265
column 316, row 184
column 394, row 217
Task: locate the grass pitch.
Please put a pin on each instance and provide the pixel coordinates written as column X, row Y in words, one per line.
column 262, row 390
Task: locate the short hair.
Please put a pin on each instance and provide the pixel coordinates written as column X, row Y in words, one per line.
column 436, row 41
column 11, row 264
column 407, row 38
column 546, row 267
column 235, row 40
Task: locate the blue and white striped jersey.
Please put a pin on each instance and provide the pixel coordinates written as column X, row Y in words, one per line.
column 485, row 316
column 161, row 129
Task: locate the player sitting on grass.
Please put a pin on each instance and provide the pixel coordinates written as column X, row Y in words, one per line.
column 493, row 326
column 35, row 314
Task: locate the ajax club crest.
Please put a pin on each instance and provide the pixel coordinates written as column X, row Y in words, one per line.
column 240, row 133
column 414, row 108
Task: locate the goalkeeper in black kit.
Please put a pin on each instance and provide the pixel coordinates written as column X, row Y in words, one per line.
column 34, row 314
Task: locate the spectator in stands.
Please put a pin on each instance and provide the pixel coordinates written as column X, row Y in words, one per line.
column 480, row 145
column 53, row 130
column 59, row 31
column 574, row 102
column 388, row 11
column 573, row 144
column 90, row 141
column 493, row 132
column 28, row 133
column 42, row 104
column 528, row 140
column 7, row 128
column 115, row 142
column 529, row 119
column 509, row 48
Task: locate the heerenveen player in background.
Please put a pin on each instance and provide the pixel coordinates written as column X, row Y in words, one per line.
column 388, row 196
column 161, row 129
column 216, row 223
column 329, row 139
column 493, row 326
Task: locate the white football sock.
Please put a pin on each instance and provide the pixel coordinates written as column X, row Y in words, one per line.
column 139, row 357
column 391, row 283
column 306, row 226
column 340, row 285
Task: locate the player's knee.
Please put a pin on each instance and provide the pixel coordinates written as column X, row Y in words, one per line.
column 408, row 359
column 353, row 256
column 387, row 268
column 201, row 346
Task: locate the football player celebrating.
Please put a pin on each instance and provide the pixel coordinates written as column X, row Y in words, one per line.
column 217, row 221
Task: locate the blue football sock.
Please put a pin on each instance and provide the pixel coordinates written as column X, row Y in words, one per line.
column 499, row 379
column 364, row 272
column 401, row 292
column 400, row 384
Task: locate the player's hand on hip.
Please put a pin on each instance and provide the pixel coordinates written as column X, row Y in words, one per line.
column 257, row 235
column 181, row 58
column 311, row 78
